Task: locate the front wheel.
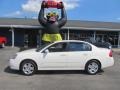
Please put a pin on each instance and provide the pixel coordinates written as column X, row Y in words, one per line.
column 92, row 67
column 28, row 68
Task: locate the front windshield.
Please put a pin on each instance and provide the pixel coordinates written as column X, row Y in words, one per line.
column 42, row 46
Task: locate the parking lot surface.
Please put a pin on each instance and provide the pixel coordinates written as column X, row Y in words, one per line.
column 108, row 79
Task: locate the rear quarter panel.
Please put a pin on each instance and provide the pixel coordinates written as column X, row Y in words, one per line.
column 102, row 54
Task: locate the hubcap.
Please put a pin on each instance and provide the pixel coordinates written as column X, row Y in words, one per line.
column 28, row 68
column 93, row 67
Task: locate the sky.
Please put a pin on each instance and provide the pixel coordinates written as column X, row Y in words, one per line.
column 90, row 10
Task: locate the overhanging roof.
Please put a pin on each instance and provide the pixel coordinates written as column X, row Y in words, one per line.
column 71, row 24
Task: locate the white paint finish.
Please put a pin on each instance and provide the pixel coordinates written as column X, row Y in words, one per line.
column 63, row 60
column 78, row 59
column 53, row 60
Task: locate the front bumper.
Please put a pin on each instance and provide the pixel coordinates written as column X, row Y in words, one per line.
column 13, row 65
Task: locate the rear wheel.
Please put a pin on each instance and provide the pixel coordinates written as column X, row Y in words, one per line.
column 28, row 68
column 92, row 67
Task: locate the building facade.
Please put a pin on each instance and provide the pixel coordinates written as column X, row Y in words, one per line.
column 28, row 32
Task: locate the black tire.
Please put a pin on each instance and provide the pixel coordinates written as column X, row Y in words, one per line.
column 93, row 67
column 28, row 67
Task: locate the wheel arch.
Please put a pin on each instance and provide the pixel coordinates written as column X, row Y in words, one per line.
column 28, row 60
column 93, row 60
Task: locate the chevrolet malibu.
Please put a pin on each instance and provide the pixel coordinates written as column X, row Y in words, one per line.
column 63, row 55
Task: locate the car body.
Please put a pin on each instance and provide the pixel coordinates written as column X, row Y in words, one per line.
column 3, row 41
column 63, row 55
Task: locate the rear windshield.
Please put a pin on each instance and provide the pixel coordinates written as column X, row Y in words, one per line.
column 103, row 45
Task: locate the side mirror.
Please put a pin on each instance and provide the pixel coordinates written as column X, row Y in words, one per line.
column 46, row 51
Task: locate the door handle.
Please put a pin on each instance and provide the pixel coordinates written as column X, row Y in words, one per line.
column 63, row 55
column 85, row 54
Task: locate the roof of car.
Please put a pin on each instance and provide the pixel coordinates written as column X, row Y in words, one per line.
column 70, row 41
column 75, row 41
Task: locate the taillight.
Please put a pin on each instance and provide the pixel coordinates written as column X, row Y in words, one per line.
column 110, row 53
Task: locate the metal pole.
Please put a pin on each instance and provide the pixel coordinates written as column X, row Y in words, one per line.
column 68, row 34
column 65, row 36
column 94, row 35
column 13, row 37
column 119, row 40
column 102, row 38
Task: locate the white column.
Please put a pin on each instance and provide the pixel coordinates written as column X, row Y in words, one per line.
column 118, row 39
column 13, row 37
column 68, row 34
column 65, row 36
column 94, row 35
column 102, row 38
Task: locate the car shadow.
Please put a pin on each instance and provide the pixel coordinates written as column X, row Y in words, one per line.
column 10, row 71
column 60, row 72
column 51, row 72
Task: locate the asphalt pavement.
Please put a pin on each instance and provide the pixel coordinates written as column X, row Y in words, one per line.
column 108, row 79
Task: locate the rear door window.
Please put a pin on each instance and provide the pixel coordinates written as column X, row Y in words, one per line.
column 76, row 46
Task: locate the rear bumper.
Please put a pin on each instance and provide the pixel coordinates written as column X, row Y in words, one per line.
column 108, row 63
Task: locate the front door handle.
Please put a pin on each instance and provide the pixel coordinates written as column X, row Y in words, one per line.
column 63, row 55
column 85, row 54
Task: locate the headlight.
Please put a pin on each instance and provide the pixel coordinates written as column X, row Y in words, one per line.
column 14, row 56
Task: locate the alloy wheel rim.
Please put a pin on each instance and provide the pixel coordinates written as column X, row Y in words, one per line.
column 28, row 68
column 93, row 67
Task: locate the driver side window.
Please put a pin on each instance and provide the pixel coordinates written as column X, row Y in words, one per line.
column 58, row 47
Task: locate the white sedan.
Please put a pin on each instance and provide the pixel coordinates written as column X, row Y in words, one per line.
column 63, row 55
